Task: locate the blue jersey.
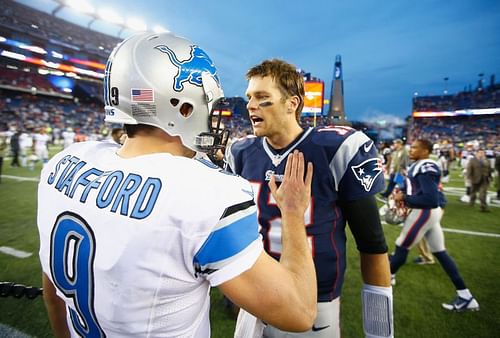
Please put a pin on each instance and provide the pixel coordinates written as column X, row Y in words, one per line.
column 346, row 167
column 423, row 189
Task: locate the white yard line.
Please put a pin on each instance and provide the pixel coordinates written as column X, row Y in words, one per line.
column 20, row 178
column 14, row 252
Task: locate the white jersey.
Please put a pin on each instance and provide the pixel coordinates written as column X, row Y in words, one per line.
column 41, row 141
column 25, row 141
column 68, row 138
column 133, row 245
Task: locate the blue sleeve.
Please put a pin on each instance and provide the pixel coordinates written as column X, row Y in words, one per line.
column 364, row 175
column 235, row 231
column 428, row 198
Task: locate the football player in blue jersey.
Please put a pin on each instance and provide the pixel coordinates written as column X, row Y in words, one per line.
column 347, row 175
column 133, row 237
column 426, row 201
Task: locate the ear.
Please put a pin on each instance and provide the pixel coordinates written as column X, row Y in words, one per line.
column 293, row 103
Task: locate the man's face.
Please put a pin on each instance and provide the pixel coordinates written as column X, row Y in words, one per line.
column 417, row 152
column 266, row 106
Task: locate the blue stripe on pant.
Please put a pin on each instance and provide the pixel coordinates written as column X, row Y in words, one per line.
column 421, row 220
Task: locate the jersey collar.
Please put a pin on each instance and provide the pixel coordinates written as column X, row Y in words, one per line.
column 277, row 156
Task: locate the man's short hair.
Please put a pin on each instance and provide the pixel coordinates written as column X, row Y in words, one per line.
column 289, row 81
column 398, row 140
column 132, row 129
column 426, row 144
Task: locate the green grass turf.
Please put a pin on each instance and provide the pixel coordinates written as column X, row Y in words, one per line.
column 417, row 296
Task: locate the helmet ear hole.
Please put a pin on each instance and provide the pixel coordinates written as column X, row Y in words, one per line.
column 186, row 109
column 174, row 102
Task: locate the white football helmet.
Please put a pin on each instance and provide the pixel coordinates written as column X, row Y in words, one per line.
column 168, row 82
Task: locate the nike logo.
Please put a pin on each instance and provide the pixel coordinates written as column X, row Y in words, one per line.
column 314, row 328
column 367, row 147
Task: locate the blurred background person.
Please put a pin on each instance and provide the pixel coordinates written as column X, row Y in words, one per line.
column 479, row 173
column 399, row 163
column 68, row 137
column 446, row 157
column 15, row 148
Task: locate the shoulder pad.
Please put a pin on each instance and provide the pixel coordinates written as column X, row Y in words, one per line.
column 428, row 167
column 243, row 143
column 331, row 135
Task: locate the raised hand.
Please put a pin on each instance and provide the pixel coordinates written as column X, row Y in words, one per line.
column 294, row 193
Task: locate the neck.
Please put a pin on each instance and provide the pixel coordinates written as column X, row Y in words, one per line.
column 152, row 143
column 286, row 136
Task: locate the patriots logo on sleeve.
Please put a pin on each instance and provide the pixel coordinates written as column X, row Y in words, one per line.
column 367, row 172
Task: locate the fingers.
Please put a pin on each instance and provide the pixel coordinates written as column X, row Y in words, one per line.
column 272, row 186
column 309, row 175
column 294, row 168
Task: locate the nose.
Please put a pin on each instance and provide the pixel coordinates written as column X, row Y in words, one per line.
column 252, row 104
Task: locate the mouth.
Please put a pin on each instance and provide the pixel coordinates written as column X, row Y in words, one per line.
column 256, row 120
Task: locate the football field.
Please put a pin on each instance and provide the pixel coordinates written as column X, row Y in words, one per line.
column 472, row 239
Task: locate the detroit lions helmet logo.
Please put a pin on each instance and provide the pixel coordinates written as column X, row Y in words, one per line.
column 190, row 70
column 367, row 172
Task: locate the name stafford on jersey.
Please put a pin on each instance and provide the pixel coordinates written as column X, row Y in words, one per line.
column 128, row 194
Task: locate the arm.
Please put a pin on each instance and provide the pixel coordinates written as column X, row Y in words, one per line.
column 56, row 309
column 429, row 198
column 370, row 240
column 283, row 294
column 376, row 294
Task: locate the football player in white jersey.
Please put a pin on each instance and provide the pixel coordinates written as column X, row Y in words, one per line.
column 133, row 237
column 68, row 137
column 426, row 201
column 40, row 141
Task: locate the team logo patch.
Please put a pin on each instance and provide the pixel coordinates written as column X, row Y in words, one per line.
column 190, row 70
column 367, row 172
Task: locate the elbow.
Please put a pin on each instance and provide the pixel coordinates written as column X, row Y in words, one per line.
column 299, row 318
column 305, row 318
column 309, row 318
column 302, row 323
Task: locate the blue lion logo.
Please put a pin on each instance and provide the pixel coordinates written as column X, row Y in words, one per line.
column 190, row 70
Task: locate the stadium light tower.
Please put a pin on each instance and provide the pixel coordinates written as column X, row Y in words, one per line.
column 336, row 111
column 81, row 6
column 59, row 7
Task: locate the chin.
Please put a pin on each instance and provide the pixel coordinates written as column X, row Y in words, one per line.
column 258, row 132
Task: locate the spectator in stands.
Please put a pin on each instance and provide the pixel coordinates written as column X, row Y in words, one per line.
column 399, row 163
column 479, row 173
